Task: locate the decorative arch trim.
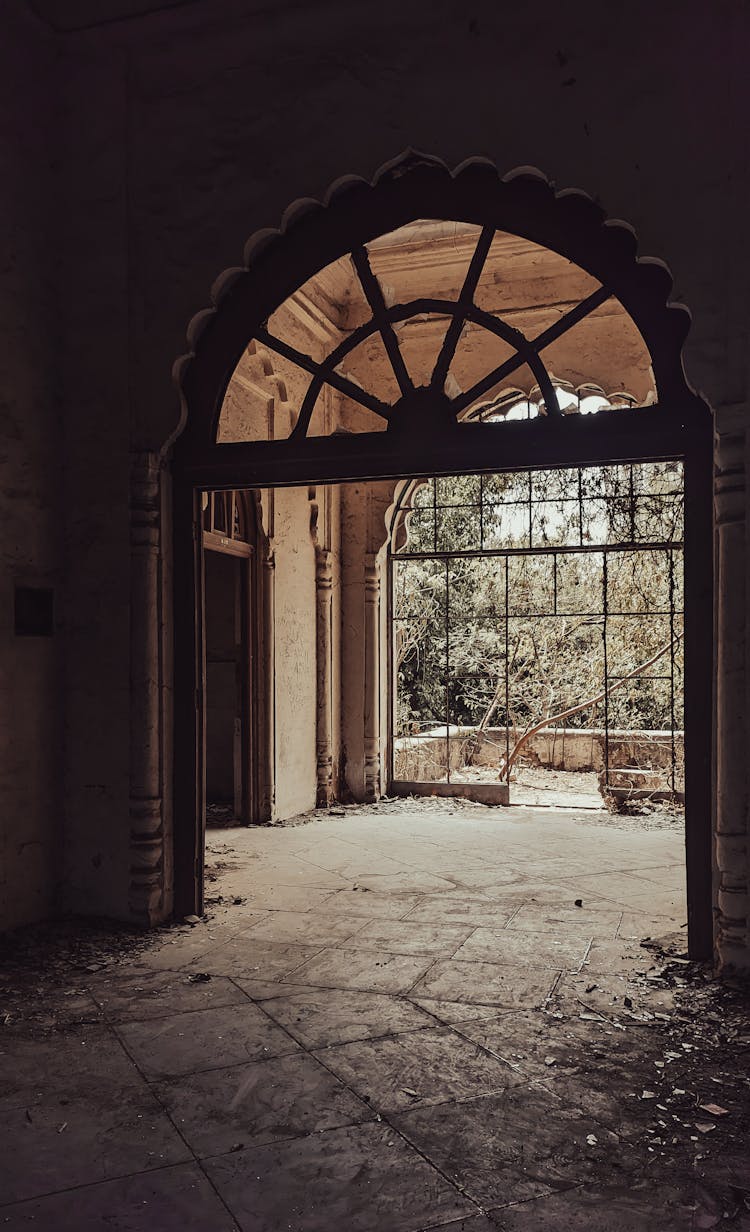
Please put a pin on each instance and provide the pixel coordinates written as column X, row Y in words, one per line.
column 354, row 212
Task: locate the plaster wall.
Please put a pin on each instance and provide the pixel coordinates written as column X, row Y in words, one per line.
column 182, row 132
column 294, row 653
column 32, row 811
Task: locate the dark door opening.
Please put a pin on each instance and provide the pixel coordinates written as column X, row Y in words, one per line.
column 229, row 759
column 227, row 678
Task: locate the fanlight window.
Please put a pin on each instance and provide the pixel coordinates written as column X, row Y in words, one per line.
column 482, row 320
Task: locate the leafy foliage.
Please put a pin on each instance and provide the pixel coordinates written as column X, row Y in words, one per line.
column 491, row 623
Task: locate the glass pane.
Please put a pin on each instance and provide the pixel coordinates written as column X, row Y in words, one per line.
column 519, row 274
column 478, row 353
column 419, row 592
column 369, row 367
column 334, row 411
column 333, row 295
column 579, row 583
column 421, row 339
column 554, row 522
column 458, row 528
column 633, row 640
column 427, row 258
column 609, row 333
column 530, row 585
column 424, row 494
column 458, row 489
column 505, row 526
column 420, row 531
column 554, row 485
column 513, row 486
column 263, row 397
column 476, row 590
column 638, row 581
column 659, row 517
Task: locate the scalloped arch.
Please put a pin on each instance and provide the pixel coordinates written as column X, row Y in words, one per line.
column 353, row 212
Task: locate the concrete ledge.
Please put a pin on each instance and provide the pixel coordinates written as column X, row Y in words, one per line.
column 483, row 793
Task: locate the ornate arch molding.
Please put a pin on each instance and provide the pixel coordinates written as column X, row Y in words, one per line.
column 313, row 234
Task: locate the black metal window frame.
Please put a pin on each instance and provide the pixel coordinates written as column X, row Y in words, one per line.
column 537, row 547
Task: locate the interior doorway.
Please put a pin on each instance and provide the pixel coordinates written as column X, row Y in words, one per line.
column 230, row 624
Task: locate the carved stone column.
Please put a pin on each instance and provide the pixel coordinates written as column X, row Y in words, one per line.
column 324, row 701
column 146, row 891
column 731, row 693
column 372, row 678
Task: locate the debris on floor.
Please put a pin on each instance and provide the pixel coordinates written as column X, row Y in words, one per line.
column 419, row 982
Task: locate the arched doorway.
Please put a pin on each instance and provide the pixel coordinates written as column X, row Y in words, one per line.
column 361, row 406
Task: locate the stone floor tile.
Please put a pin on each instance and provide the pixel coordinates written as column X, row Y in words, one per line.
column 554, row 1052
column 460, row 908
column 277, row 897
column 204, row 1039
column 258, row 1103
column 630, row 892
column 291, row 872
column 673, row 876
column 406, row 937
column 190, row 944
column 485, row 983
column 523, row 1040
column 89, row 1062
column 606, row 1209
column 84, row 1138
column 472, row 1223
column 322, row 1016
column 244, row 957
column 547, row 893
column 524, row 949
column 367, row 970
column 175, row 1199
column 369, row 903
column 265, row 990
column 562, row 921
column 418, row 1067
column 609, row 994
column 475, row 876
column 615, row 956
column 638, row 926
column 409, row 881
column 360, row 1179
column 457, row 1011
column 506, row 1147
column 352, row 859
column 304, row 928
column 157, row 994
column 670, row 904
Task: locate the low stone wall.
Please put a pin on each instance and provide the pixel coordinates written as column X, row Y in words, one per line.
column 424, row 757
